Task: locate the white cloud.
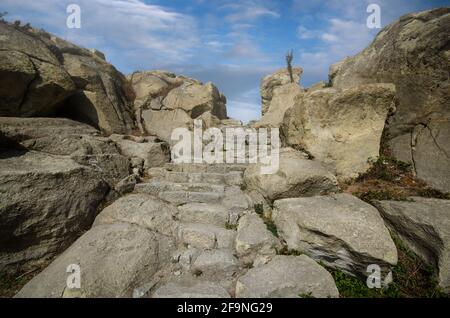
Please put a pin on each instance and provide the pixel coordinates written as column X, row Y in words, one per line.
column 305, row 33
column 340, row 38
column 248, row 11
column 151, row 33
column 329, row 37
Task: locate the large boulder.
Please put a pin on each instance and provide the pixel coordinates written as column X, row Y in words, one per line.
column 195, row 99
column 141, row 209
column 284, row 97
column 163, row 122
column 165, row 101
column 287, row 277
column 424, row 226
column 341, row 128
column 113, row 260
column 275, row 80
column 32, row 80
column 296, row 176
column 152, row 86
column 46, row 202
column 339, row 230
column 44, row 75
column 59, row 136
column 413, row 53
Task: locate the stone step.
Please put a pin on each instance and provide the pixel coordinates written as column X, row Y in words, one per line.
column 183, row 197
column 206, row 236
column 200, row 289
column 204, row 213
column 230, row 178
column 155, row 187
column 213, row 168
column 217, row 264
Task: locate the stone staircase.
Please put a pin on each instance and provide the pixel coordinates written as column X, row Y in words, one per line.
column 210, row 202
column 187, row 230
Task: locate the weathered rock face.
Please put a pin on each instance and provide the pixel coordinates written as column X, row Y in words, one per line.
column 55, row 173
column 413, row 53
column 143, row 210
column 277, row 79
column 43, row 75
column 58, row 136
column 113, row 260
column 163, row 122
column 290, row 277
column 339, row 230
column 46, row 202
column 152, row 152
column 165, row 101
column 427, row 149
column 32, row 79
column 195, row 99
column 284, row 97
column 424, row 226
column 341, row 128
column 21, row 129
column 104, row 97
column 296, row 176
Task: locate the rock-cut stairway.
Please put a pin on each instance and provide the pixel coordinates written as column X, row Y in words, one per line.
column 210, row 202
column 187, row 230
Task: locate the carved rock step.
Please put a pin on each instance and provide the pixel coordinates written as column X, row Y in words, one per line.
column 215, row 168
column 218, row 264
column 200, row 289
column 204, row 213
column 183, row 197
column 230, row 178
column 205, row 236
column 156, row 187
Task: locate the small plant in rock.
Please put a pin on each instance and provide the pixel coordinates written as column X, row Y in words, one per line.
column 230, row 226
column 352, row 287
column 271, row 226
column 289, row 59
column 286, row 251
column 259, row 208
column 387, row 194
column 385, row 168
column 306, row 295
column 412, row 278
column 389, row 179
column 433, row 193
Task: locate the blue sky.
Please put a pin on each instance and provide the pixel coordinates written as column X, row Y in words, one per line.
column 231, row 43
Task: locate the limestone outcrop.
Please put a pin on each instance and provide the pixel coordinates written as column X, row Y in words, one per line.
column 341, row 128
column 165, row 101
column 412, row 53
column 43, row 75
